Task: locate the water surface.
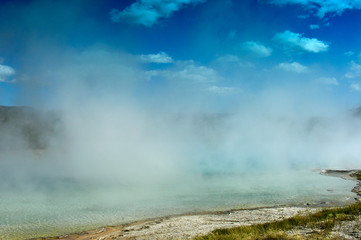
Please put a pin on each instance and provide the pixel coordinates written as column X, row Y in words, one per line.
column 49, row 207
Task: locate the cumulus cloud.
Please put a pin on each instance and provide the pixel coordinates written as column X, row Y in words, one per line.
column 187, row 71
column 328, row 81
column 161, row 57
column 314, row 26
column 148, row 12
column 224, row 90
column 296, row 40
column 292, row 67
column 354, row 70
column 6, row 72
column 322, row 7
column 256, row 48
column 355, row 87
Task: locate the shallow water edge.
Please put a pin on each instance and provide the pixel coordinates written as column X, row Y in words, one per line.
column 204, row 220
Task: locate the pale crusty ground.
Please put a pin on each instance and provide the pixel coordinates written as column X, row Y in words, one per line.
column 186, row 227
column 346, row 230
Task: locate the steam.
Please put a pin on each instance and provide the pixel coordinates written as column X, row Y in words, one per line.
column 99, row 144
column 106, row 132
column 103, row 129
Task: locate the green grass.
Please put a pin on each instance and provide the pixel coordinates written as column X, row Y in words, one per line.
column 357, row 175
column 323, row 221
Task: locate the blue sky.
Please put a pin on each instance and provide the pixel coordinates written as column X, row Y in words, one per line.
column 206, row 53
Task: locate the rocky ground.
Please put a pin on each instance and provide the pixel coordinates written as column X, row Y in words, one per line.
column 186, row 227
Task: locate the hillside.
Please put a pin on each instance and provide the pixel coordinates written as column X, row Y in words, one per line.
column 26, row 127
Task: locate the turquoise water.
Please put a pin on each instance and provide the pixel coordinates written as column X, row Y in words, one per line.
column 48, row 207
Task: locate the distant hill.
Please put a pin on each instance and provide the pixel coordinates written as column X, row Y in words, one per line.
column 21, row 126
column 356, row 112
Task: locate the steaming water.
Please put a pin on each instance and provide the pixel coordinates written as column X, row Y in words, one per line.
column 55, row 207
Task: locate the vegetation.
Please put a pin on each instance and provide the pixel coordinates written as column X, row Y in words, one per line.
column 318, row 226
column 357, row 175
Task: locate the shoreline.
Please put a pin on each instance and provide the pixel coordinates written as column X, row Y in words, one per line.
column 347, row 175
column 190, row 225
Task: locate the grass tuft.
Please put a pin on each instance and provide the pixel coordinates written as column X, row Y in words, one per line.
column 357, row 174
column 323, row 221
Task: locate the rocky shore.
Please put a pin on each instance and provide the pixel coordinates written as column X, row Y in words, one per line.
column 190, row 226
column 347, row 175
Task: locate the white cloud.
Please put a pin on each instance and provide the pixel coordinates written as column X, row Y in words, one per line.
column 314, row 26
column 292, row 67
column 354, row 70
column 148, row 12
column 256, row 48
column 355, row 87
column 224, row 90
column 197, row 74
column 235, row 60
column 161, row 57
column 328, row 81
column 150, row 74
column 323, row 7
column 349, row 53
column 187, row 71
column 292, row 40
column 6, row 72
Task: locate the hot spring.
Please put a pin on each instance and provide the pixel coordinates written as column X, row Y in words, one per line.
column 54, row 207
column 86, row 168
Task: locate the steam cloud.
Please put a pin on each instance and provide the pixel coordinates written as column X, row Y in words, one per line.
column 120, row 133
column 97, row 133
column 108, row 154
